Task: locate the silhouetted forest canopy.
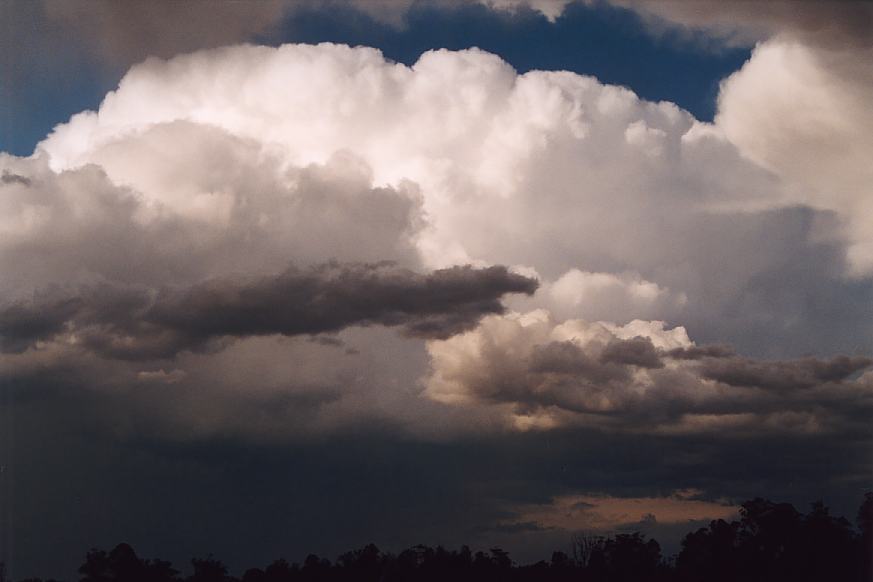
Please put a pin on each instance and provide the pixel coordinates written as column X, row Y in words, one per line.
column 770, row 542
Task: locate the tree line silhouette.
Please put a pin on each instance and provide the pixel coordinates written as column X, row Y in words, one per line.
column 770, row 542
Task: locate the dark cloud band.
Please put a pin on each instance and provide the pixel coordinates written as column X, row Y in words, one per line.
column 136, row 323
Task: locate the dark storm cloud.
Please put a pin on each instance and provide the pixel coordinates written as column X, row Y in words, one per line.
column 629, row 385
column 582, row 505
column 698, row 352
column 638, row 351
column 567, row 358
column 783, row 375
column 23, row 324
column 133, row 323
column 334, row 296
column 646, row 522
column 99, row 315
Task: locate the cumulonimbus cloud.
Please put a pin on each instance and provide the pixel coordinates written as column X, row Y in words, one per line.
column 547, row 170
column 226, row 165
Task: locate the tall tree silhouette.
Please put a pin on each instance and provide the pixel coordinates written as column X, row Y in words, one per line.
column 123, row 565
column 208, row 570
column 865, row 543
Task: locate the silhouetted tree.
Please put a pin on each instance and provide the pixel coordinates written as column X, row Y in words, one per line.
column 584, row 546
column 123, row 565
column 710, row 554
column 773, row 542
column 315, row 569
column 363, row 564
column 770, row 542
column 208, row 570
column 864, row 521
column 626, row 558
column 281, row 571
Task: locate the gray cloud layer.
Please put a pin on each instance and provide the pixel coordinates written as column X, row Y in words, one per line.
column 137, row 324
column 130, row 31
column 783, row 375
column 633, row 379
column 826, row 24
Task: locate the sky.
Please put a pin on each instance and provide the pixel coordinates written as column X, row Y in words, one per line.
column 282, row 278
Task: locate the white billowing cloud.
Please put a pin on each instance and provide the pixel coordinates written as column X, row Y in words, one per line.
column 800, row 106
column 211, row 205
column 804, row 113
column 611, row 297
column 489, row 143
